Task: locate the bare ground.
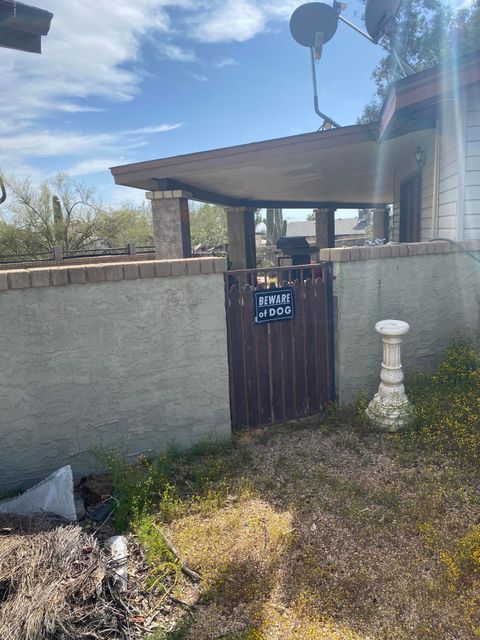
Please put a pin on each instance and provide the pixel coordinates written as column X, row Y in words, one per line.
column 331, row 537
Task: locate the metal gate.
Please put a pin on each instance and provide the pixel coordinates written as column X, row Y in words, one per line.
column 284, row 369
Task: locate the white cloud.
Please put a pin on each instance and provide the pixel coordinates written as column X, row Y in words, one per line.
column 95, row 165
column 199, row 77
column 233, row 20
column 161, row 128
column 226, row 62
column 92, row 57
column 174, row 52
column 92, row 149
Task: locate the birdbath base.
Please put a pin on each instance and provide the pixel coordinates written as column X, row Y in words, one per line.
column 390, row 409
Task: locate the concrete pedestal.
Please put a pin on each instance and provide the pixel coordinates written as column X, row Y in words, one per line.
column 171, row 224
column 390, row 409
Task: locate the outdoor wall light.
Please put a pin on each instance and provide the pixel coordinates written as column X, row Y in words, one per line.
column 420, row 157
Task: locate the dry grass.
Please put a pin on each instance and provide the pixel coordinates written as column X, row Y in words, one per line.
column 57, row 584
column 337, row 538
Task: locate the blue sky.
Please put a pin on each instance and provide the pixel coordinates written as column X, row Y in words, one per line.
column 122, row 81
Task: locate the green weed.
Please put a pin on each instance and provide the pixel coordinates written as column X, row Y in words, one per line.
column 447, row 407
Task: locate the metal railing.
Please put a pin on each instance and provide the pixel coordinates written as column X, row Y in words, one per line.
column 276, row 276
column 58, row 255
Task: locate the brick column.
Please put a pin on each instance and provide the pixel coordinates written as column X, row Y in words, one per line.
column 241, row 238
column 171, row 224
column 325, row 228
column 380, row 224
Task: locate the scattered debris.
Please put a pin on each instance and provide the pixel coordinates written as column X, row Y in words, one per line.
column 118, row 549
column 79, row 506
column 57, row 583
column 102, row 512
column 52, row 495
column 95, row 489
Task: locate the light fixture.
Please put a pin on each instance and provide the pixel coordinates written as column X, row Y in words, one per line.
column 420, row 157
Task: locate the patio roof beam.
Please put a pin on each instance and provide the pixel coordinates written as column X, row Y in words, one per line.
column 218, row 198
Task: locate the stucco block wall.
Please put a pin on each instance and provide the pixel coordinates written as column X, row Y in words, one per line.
column 132, row 358
column 432, row 286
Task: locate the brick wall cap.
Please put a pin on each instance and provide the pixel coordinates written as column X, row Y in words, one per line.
column 101, row 272
column 395, row 250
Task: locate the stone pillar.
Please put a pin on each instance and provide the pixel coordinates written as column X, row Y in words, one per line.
column 171, row 223
column 380, row 224
column 242, row 252
column 325, row 228
column 390, row 409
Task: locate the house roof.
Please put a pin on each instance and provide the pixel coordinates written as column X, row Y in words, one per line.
column 347, row 167
column 343, row 227
column 415, row 101
column 22, row 26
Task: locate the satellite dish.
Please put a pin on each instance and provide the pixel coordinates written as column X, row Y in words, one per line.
column 310, row 19
column 380, row 17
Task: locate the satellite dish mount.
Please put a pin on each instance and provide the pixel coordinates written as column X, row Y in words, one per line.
column 312, row 25
column 315, row 23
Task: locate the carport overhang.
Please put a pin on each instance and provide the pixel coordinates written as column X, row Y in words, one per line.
column 23, row 26
column 341, row 168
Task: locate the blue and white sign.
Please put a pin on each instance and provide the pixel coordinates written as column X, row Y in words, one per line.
column 273, row 305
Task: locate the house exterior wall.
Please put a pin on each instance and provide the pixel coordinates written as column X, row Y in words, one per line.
column 472, row 166
column 454, row 211
column 450, row 132
column 404, row 172
column 432, row 286
column 127, row 357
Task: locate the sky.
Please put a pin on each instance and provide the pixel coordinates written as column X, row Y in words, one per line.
column 122, row 81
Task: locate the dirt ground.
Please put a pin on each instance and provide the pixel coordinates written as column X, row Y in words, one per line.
column 330, row 536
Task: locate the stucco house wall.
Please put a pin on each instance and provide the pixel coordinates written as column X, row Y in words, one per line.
column 431, row 285
column 127, row 357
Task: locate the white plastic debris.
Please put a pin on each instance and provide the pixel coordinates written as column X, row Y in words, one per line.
column 52, row 495
column 117, row 547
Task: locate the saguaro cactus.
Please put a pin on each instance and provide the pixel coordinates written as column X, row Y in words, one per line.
column 276, row 226
column 57, row 210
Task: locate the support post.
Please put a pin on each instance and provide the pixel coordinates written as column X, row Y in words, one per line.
column 381, row 224
column 390, row 409
column 171, row 224
column 325, row 228
column 242, row 251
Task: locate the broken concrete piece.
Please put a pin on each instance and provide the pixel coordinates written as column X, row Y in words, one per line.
column 118, row 549
column 52, row 495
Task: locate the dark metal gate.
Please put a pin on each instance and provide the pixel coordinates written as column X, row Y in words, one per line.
column 279, row 370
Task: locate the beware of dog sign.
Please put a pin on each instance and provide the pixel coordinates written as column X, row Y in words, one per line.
column 273, row 305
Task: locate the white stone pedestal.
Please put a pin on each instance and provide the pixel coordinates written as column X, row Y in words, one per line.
column 390, row 409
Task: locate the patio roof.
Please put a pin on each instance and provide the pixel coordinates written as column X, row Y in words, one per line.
column 338, row 168
column 348, row 167
column 22, row 26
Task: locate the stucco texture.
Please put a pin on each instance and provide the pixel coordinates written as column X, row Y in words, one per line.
column 131, row 366
column 438, row 295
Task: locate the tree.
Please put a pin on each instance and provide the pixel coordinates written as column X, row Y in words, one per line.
column 58, row 213
column 428, row 32
column 208, row 225
column 129, row 223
